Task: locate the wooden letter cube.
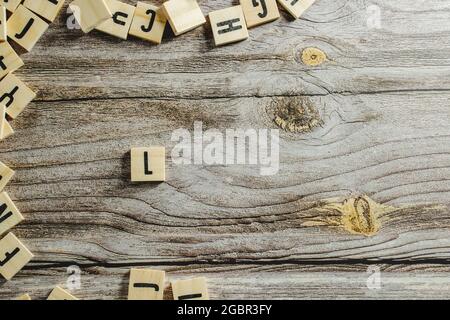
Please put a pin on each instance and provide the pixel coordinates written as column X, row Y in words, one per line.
column 120, row 23
column 228, row 25
column 192, row 289
column 15, row 95
column 5, row 176
column 13, row 256
column 146, row 284
column 257, row 12
column 89, row 14
column 7, row 130
column 3, row 34
column 183, row 15
column 25, row 296
column 47, row 9
column 148, row 22
column 9, row 60
column 60, row 294
column 10, row 5
column 26, row 28
column 296, row 7
column 2, row 117
column 9, row 214
column 148, row 164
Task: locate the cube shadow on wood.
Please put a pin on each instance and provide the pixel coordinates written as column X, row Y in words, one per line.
column 146, row 284
column 183, row 15
column 257, row 12
column 15, row 95
column 228, row 25
column 148, row 23
column 89, row 14
column 13, row 256
column 120, row 22
column 45, row 8
column 148, row 164
column 191, row 289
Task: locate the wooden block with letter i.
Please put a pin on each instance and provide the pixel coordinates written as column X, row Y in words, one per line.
column 60, row 294
column 257, row 12
column 183, row 15
column 228, row 25
column 3, row 34
column 9, row 60
column 13, row 256
column 47, row 9
column 10, row 5
column 89, row 14
column 148, row 22
column 9, row 214
column 148, row 164
column 26, row 27
column 296, row 7
column 120, row 22
column 146, row 284
column 15, row 95
column 5, row 176
column 192, row 289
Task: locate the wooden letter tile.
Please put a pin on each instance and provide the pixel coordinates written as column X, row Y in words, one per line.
column 9, row 214
column 9, row 60
column 3, row 34
column 228, row 25
column 257, row 12
column 296, row 7
column 15, row 95
column 192, row 289
column 183, row 15
column 25, row 296
column 60, row 294
column 13, row 256
column 26, row 28
column 89, row 14
column 146, row 284
column 120, row 23
column 47, row 9
column 148, row 22
column 5, row 175
column 2, row 117
column 7, row 130
column 148, row 164
column 10, row 5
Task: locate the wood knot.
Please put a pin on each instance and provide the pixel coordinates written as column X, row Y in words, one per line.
column 313, row 57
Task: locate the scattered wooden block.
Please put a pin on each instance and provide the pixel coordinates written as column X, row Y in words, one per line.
column 228, row 25
column 9, row 214
column 2, row 117
column 192, row 289
column 60, row 294
column 148, row 23
column 296, row 7
column 26, row 28
column 11, row 5
column 13, row 256
column 47, row 9
column 9, row 60
column 5, row 176
column 15, row 95
column 257, row 12
column 146, row 284
column 89, row 14
column 25, row 296
column 120, row 23
column 3, row 34
column 148, row 164
column 7, row 130
column 183, row 15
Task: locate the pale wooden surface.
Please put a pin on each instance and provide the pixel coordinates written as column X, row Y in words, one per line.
column 383, row 98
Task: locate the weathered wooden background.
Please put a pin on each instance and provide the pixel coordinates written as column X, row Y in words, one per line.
column 383, row 97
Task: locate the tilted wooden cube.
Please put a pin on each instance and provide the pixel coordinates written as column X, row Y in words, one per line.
column 9, row 60
column 183, row 15
column 47, row 9
column 13, row 256
column 10, row 216
column 257, row 12
column 60, row 294
column 15, row 95
column 11, row 5
column 3, row 34
column 296, row 7
column 120, row 22
column 89, row 14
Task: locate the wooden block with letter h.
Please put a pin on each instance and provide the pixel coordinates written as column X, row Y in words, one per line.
column 3, row 34
column 9, row 60
column 148, row 164
column 296, row 7
column 47, row 9
column 191, row 289
column 60, row 294
column 183, row 15
column 90, row 14
column 26, row 27
column 148, row 23
column 13, row 256
column 257, row 12
column 119, row 24
column 10, row 5
column 15, row 95
column 146, row 284
column 228, row 25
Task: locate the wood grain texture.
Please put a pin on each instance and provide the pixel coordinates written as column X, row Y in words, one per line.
column 382, row 98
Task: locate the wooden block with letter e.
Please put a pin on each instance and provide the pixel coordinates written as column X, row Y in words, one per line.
column 9, row 60
column 296, row 7
column 228, row 25
column 90, row 14
column 119, row 24
column 191, row 289
column 15, row 95
column 148, row 22
column 148, row 164
column 9, row 214
column 257, row 12
column 47, row 9
column 146, row 284
column 13, row 256
column 183, row 15
column 60, row 294
column 10, row 5
column 3, row 35
column 5, row 176
column 26, row 27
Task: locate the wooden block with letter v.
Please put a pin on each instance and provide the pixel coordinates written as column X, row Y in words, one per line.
column 15, row 95
column 191, row 289
column 3, row 35
column 257, row 12
column 146, row 284
column 183, row 15
column 60, row 294
column 13, row 256
column 10, row 5
column 296, row 7
column 9, row 214
column 228, row 25
column 148, row 164
column 89, row 14
column 148, row 23
column 26, row 27
column 5, row 176
column 9, row 60
column 120, row 22
column 47, row 9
